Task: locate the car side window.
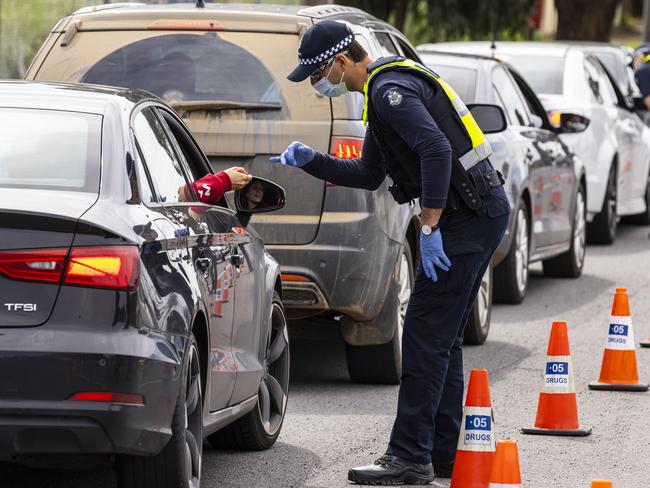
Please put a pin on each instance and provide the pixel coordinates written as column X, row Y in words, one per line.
column 386, row 44
column 510, row 97
column 607, row 90
column 159, row 157
column 406, row 49
column 592, row 82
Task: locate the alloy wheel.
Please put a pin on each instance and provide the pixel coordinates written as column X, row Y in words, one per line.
column 611, row 202
column 193, row 420
column 522, row 252
column 405, row 285
column 274, row 388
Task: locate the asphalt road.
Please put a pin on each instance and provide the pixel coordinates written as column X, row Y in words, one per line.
column 333, row 424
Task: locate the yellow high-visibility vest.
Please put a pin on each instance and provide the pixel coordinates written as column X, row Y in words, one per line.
column 480, row 147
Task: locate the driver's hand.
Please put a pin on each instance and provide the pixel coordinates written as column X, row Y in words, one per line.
column 239, row 177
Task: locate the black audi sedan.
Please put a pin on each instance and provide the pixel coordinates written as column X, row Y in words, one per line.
column 132, row 324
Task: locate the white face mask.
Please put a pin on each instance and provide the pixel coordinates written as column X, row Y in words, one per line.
column 327, row 89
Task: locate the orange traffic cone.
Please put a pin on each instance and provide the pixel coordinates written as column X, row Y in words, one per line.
column 601, row 484
column 557, row 408
column 505, row 468
column 619, row 371
column 476, row 446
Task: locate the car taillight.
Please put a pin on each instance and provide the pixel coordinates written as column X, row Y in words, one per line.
column 108, row 397
column 346, row 147
column 42, row 265
column 103, row 267
column 99, row 267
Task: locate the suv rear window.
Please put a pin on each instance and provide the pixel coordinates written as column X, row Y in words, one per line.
column 186, row 67
column 49, row 149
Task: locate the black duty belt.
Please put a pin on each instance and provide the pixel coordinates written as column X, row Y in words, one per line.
column 485, row 181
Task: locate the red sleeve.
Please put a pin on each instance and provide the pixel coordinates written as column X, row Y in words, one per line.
column 211, row 187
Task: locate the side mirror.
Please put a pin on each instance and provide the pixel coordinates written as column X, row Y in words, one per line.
column 568, row 123
column 259, row 196
column 490, row 118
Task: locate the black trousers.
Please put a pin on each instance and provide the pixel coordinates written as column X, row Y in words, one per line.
column 429, row 410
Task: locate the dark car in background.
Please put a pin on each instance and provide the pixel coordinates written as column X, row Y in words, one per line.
column 133, row 324
column 545, row 181
column 347, row 255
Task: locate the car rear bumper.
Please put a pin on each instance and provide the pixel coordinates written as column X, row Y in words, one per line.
column 38, row 416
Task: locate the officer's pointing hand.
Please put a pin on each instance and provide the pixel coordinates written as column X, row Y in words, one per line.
column 297, row 154
column 433, row 254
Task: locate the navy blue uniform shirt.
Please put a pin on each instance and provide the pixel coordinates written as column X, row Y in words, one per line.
column 400, row 101
column 642, row 77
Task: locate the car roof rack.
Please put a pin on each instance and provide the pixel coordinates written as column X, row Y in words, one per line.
column 320, row 11
column 108, row 6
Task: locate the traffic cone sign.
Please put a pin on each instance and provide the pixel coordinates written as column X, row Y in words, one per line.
column 505, row 468
column 601, row 484
column 619, row 370
column 557, row 408
column 476, row 444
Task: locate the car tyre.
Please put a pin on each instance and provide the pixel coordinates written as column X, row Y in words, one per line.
column 259, row 429
column 603, row 228
column 382, row 364
column 569, row 264
column 642, row 218
column 478, row 323
column 512, row 274
column 179, row 463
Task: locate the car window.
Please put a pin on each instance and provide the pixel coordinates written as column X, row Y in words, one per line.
column 615, row 65
column 158, row 154
column 593, row 82
column 386, row 44
column 50, row 149
column 607, row 90
column 462, row 80
column 149, row 64
column 532, row 102
column 545, row 74
column 509, row 95
column 406, row 49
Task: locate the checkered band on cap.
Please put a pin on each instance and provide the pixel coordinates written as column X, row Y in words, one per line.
column 329, row 53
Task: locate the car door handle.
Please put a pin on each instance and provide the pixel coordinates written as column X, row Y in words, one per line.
column 203, row 263
column 236, row 260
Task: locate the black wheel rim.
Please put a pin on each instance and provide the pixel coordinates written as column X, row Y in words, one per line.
column 193, row 420
column 274, row 387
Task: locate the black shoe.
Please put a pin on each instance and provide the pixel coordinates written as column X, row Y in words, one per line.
column 391, row 470
column 443, row 469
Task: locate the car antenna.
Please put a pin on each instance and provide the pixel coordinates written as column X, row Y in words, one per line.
column 200, row 4
column 493, row 44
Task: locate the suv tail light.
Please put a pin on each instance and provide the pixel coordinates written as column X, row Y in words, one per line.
column 98, row 267
column 346, row 147
column 108, row 397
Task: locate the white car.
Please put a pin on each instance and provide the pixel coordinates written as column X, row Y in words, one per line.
column 578, row 91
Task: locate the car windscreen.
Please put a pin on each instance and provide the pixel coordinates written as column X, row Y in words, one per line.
column 545, row 74
column 462, row 80
column 186, row 68
column 49, row 149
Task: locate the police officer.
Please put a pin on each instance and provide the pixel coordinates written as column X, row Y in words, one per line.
column 421, row 135
column 642, row 72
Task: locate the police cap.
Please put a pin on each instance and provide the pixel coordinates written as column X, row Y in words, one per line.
column 321, row 41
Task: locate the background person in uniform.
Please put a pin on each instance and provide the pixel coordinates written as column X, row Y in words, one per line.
column 642, row 72
column 406, row 112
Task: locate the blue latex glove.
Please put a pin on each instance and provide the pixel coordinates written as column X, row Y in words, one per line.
column 433, row 254
column 297, row 154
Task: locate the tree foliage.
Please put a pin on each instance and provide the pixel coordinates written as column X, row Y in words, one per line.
column 444, row 20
